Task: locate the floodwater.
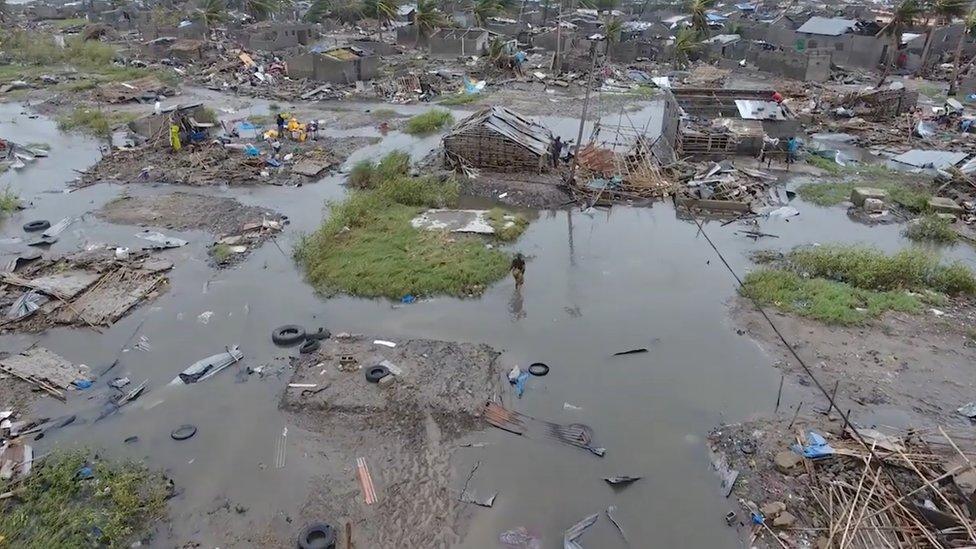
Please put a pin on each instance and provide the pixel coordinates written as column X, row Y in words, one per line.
column 596, row 283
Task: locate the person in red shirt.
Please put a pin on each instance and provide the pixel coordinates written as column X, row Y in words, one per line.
column 777, row 97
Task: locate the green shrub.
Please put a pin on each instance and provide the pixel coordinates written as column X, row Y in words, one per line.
column 428, row 122
column 931, row 228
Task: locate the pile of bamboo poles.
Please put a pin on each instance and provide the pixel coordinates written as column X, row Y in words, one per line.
column 902, row 496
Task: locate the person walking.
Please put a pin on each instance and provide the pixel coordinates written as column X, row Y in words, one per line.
column 281, row 120
column 556, row 151
column 518, row 270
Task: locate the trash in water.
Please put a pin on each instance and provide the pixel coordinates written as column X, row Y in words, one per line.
column 568, row 406
column 783, row 212
column 119, row 382
column 384, row 343
column 408, row 299
column 82, row 383
column 161, row 241
column 204, row 317
column 517, row 378
column 610, row 511
column 58, row 228
column 574, row 532
column 520, row 538
column 281, row 446
column 816, row 446
column 469, row 496
column 968, row 410
column 143, row 344
column 631, row 352
column 183, row 432
column 26, row 304
column 207, row 367
column 622, row 480
column 85, row 473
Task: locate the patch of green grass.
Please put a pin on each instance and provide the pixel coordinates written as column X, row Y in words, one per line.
column 643, row 91
column 54, row 508
column 367, row 175
column 8, row 201
column 934, row 92
column 931, row 228
column 827, row 301
column 830, row 193
column 32, row 54
column 94, row 121
column 870, row 269
column 221, row 252
column 824, row 164
column 428, row 122
column 460, row 99
column 368, row 246
column 275, row 108
column 508, row 226
column 383, row 114
column 65, row 23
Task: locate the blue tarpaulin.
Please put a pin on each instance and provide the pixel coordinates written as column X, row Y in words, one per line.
column 816, row 446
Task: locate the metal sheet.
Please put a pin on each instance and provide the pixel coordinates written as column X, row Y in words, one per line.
column 827, row 26
column 751, row 109
column 930, row 159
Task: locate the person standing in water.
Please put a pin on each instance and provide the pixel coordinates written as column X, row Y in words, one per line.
column 518, row 270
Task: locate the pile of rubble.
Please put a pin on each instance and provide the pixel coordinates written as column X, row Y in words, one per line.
column 724, row 187
column 854, row 487
column 92, row 288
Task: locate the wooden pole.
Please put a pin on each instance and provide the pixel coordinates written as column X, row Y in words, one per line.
column 586, row 104
column 779, row 393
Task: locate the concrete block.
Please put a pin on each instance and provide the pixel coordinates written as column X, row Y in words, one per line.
column 941, row 204
column 951, row 218
column 873, row 205
column 787, row 461
column 860, row 194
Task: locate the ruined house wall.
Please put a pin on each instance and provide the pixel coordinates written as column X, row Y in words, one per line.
column 472, row 45
column 301, row 66
column 808, row 66
column 379, row 48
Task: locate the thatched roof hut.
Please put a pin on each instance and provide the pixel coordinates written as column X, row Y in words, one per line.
column 497, row 139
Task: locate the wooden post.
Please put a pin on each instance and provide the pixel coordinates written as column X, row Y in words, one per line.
column 586, row 104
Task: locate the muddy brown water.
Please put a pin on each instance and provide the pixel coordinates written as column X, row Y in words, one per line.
column 596, row 283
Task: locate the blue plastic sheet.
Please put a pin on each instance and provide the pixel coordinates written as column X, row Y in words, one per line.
column 815, row 447
column 519, row 383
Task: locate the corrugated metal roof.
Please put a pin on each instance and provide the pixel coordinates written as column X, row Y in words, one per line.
column 827, row 26
column 930, row 159
column 529, row 134
column 752, row 109
column 723, row 39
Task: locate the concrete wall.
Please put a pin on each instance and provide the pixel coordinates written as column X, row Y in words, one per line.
column 379, row 48
column 321, row 68
column 806, row 66
column 452, row 44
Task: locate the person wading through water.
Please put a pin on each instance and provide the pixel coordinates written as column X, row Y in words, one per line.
column 518, row 270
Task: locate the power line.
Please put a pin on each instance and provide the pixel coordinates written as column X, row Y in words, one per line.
column 830, row 399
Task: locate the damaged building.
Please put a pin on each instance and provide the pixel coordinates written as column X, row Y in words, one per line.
column 499, row 140
column 458, row 42
column 344, row 65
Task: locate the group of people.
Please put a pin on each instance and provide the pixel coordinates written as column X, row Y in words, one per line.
column 286, row 125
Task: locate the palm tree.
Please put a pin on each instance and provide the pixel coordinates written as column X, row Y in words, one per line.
column 496, row 49
column 483, row 9
column 261, row 9
column 969, row 29
column 941, row 12
column 428, row 18
column 211, row 12
column 686, row 42
column 318, row 10
column 698, row 9
column 386, row 11
column 902, row 18
column 612, row 27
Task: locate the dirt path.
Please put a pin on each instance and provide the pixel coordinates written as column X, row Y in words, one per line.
column 917, row 363
column 405, row 431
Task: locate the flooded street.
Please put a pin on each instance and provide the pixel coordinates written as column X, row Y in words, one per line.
column 596, row 283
